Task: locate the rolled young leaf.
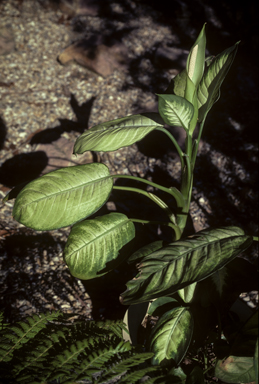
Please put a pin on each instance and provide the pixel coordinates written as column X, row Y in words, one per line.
column 196, row 58
column 184, row 262
column 209, row 87
column 63, row 197
column 93, row 245
column 171, row 336
column 195, row 68
column 115, row 134
column 175, row 110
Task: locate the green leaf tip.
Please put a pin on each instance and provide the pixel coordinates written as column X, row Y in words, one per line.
column 208, row 91
column 196, row 58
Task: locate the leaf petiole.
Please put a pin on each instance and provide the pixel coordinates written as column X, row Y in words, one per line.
column 178, row 148
column 172, row 191
column 176, row 229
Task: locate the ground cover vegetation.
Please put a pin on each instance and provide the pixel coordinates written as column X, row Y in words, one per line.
column 176, row 297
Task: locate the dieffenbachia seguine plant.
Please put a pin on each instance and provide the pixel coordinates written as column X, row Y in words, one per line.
column 68, row 196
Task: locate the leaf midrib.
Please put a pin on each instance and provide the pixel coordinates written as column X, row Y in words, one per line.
column 64, row 191
column 183, row 255
column 114, row 228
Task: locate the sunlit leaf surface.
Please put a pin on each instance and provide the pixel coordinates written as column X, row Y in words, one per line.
column 63, row 197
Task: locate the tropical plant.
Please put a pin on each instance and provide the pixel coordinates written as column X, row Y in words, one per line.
column 169, row 275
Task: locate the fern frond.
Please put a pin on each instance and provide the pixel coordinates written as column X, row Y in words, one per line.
column 84, row 357
column 134, row 376
column 15, row 336
column 43, row 349
column 124, row 364
column 115, row 327
column 33, row 361
column 2, row 324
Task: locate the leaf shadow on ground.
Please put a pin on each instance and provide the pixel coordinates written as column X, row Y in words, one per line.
column 82, row 113
column 25, row 167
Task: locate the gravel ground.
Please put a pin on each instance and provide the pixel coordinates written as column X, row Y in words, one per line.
column 44, row 106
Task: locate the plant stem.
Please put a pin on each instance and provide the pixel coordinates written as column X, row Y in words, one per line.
column 161, row 204
column 178, row 148
column 147, row 194
column 175, row 227
column 172, row 191
column 194, row 154
column 186, row 183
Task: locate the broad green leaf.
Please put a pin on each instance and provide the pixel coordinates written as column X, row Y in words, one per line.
column 171, row 336
column 173, row 267
column 115, row 134
column 235, row 369
column 209, row 87
column 93, row 245
column 63, row 197
column 178, row 84
column 196, row 58
column 196, row 376
column 175, row 110
column 187, row 293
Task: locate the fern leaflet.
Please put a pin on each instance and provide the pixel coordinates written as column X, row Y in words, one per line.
column 15, row 336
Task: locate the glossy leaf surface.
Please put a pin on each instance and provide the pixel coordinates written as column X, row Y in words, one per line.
column 184, row 262
column 171, row 336
column 209, row 87
column 175, row 110
column 93, row 245
column 115, row 134
column 63, row 197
